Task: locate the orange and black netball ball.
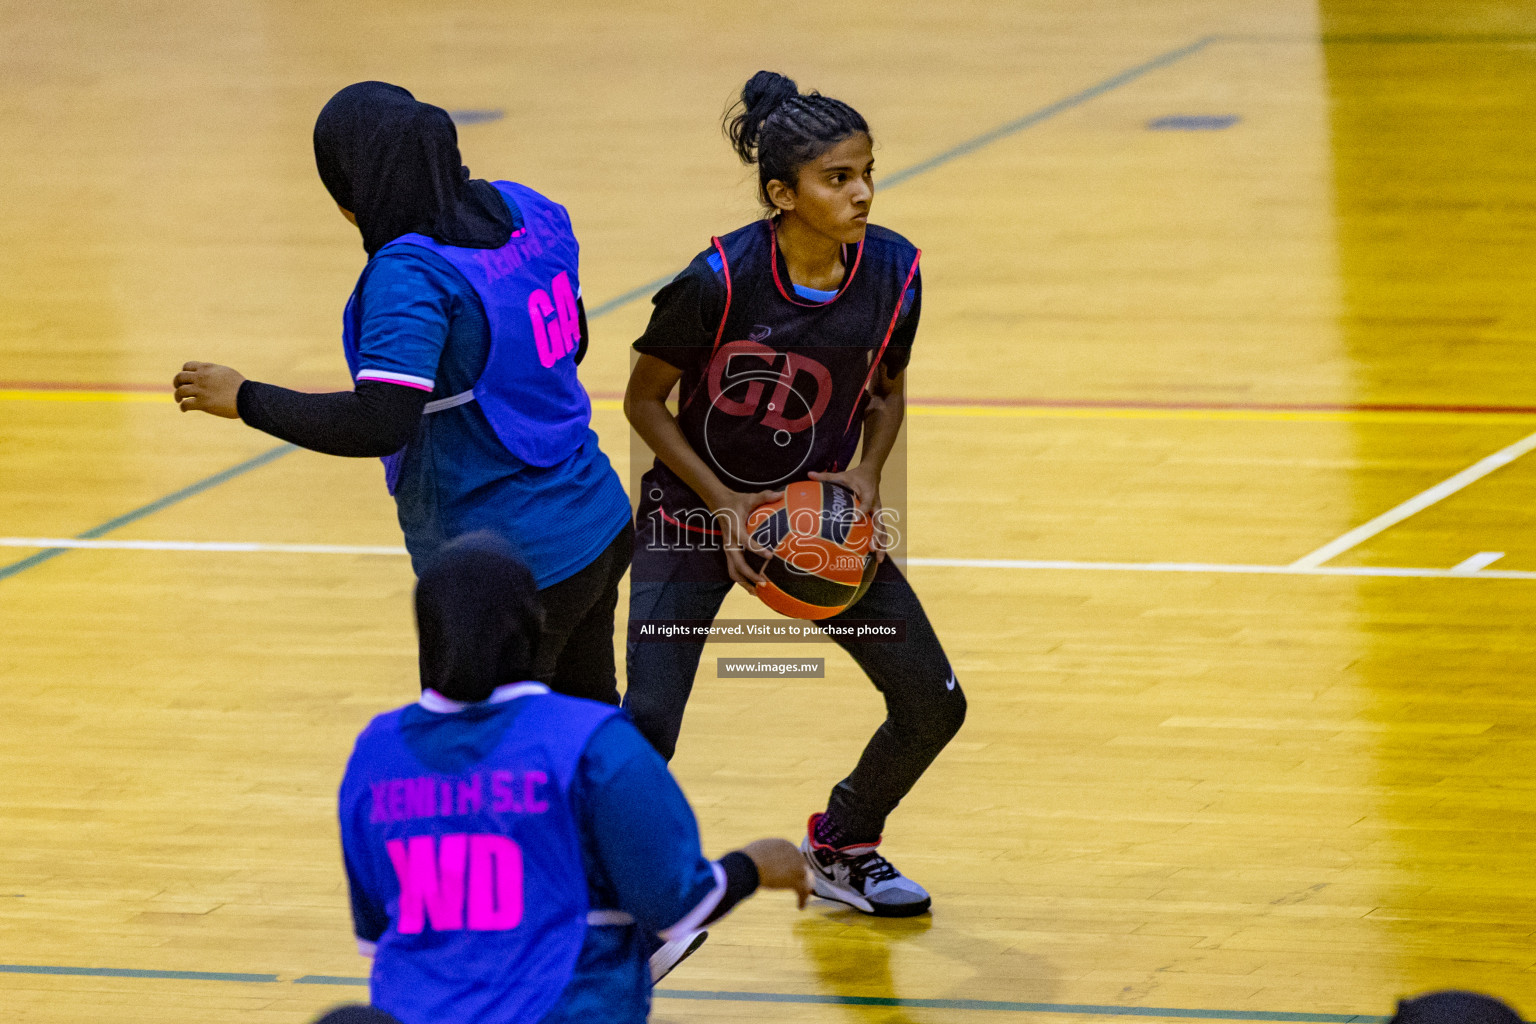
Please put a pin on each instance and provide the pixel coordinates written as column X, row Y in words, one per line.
column 821, row 550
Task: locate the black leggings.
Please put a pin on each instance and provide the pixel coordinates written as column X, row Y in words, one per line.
column 923, row 702
column 576, row 645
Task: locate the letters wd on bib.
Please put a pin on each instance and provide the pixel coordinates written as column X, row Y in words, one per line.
column 516, row 856
column 472, row 843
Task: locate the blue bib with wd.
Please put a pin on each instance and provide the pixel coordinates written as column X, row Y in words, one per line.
column 464, row 826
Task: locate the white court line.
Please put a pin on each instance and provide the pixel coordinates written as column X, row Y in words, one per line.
column 1220, row 568
column 1417, row 503
column 1225, row 568
column 199, row 545
column 1481, row 560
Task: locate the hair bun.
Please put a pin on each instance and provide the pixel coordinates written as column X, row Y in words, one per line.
column 766, row 90
column 764, row 93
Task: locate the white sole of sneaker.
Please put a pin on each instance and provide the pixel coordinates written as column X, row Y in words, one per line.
column 673, row 953
column 827, row 889
column 839, row 894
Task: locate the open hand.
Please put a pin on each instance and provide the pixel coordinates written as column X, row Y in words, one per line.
column 208, row 387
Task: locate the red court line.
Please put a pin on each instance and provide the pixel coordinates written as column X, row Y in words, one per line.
column 1000, row 403
column 1092, row 403
column 58, row 385
column 97, row 386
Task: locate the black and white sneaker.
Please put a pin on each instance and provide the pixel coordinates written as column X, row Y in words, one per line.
column 675, row 952
column 860, row 877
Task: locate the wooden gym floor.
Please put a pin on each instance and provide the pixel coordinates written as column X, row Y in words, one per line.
column 1218, row 765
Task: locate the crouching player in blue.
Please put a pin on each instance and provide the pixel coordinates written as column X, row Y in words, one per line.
column 512, row 852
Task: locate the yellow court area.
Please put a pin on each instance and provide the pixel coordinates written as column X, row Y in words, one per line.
column 1210, row 285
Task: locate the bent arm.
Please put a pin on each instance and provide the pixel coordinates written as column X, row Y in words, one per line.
column 645, row 406
column 882, row 421
column 646, row 841
column 888, row 405
column 370, row 917
column 377, row 419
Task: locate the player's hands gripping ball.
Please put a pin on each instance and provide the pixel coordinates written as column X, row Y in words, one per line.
column 821, row 550
column 731, row 511
column 864, row 482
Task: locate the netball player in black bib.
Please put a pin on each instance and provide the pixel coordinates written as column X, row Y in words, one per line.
column 789, row 339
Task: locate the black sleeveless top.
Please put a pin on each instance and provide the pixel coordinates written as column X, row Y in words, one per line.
column 774, row 385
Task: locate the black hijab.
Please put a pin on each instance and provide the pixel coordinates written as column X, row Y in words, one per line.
column 1454, row 1007
column 394, row 162
column 478, row 617
column 357, row 1015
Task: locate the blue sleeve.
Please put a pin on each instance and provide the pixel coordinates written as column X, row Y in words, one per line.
column 406, row 304
column 369, row 917
column 643, row 832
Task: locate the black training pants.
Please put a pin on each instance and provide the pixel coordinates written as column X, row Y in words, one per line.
column 576, row 645
column 923, row 702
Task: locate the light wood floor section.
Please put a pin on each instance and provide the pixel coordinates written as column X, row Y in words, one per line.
column 1189, row 791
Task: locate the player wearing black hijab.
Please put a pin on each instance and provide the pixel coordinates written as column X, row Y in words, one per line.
column 514, row 855
column 393, row 163
column 463, row 336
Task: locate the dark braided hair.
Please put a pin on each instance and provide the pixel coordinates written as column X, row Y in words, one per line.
column 780, row 129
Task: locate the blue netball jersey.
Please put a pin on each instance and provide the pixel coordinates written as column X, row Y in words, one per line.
column 481, row 871
column 505, row 444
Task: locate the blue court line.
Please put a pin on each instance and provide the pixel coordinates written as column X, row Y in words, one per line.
column 645, row 291
column 1193, row 122
column 6, row 572
column 1077, row 99
column 129, row 972
column 1085, row 1009
column 467, row 117
column 970, row 145
column 1088, row 1009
